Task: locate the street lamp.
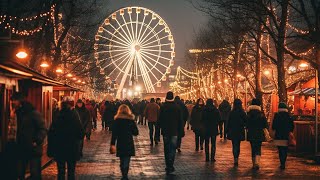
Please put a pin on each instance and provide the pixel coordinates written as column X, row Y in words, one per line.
column 303, row 65
column 22, row 54
column 59, row 70
column 69, row 75
column 44, row 64
column 266, row 72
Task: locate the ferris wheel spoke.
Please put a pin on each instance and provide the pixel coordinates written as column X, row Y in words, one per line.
column 155, row 40
column 129, row 38
column 121, row 71
column 107, row 51
column 152, row 59
column 152, row 30
column 146, row 77
column 116, row 59
column 126, row 23
column 157, row 56
column 153, row 65
column 113, row 40
column 144, row 18
column 149, row 69
column 118, row 50
column 137, row 24
column 123, row 80
column 132, row 31
column 117, row 31
column 146, row 47
column 154, row 35
column 145, row 30
column 109, row 45
column 118, row 66
column 153, row 50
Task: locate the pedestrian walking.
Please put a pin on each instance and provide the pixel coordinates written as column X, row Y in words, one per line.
column 84, row 116
column 282, row 124
column 124, row 128
column 171, row 125
column 30, row 135
column 236, row 128
column 143, row 105
column 210, row 118
column 256, row 123
column 108, row 115
column 90, row 108
column 189, row 107
column 184, row 116
column 158, row 129
column 197, row 124
column 152, row 114
column 224, row 109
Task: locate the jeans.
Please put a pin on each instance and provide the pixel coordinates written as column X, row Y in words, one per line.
column 35, row 168
column 62, row 169
column 283, row 153
column 124, row 165
column 198, row 136
column 236, row 148
column 213, row 146
column 152, row 127
column 255, row 148
column 170, row 146
column 157, row 133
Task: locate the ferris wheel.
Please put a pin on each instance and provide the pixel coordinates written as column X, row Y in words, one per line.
column 134, row 45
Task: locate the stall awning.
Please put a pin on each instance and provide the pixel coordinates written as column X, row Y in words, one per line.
column 304, row 91
column 14, row 69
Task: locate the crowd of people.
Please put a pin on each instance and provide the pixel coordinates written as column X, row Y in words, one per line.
column 74, row 121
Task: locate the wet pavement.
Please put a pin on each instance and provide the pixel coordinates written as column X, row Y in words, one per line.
column 148, row 163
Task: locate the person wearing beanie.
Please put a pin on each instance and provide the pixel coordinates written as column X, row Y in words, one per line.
column 283, row 125
column 255, row 125
column 171, row 124
column 197, row 124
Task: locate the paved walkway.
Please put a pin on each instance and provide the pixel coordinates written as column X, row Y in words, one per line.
column 149, row 162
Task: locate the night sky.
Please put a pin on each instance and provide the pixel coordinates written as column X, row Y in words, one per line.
column 183, row 19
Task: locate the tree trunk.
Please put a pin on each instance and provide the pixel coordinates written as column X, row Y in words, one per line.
column 282, row 90
column 258, row 84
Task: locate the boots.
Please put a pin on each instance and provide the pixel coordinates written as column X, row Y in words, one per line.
column 236, row 162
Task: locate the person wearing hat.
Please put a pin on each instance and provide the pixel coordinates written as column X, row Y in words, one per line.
column 282, row 124
column 152, row 113
column 171, row 124
column 64, row 137
column 30, row 135
column 255, row 125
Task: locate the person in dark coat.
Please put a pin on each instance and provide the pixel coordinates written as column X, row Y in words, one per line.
column 152, row 114
column 64, row 139
column 30, row 135
column 282, row 125
column 224, row 109
column 124, row 128
column 184, row 116
column 171, row 124
column 158, row 129
column 255, row 125
column 143, row 105
column 197, row 124
column 108, row 115
column 236, row 128
column 85, row 120
column 210, row 119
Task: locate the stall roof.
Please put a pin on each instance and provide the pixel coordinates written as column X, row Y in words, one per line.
column 14, row 69
column 304, row 91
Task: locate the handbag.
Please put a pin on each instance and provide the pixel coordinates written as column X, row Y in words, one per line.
column 292, row 140
column 267, row 135
column 113, row 149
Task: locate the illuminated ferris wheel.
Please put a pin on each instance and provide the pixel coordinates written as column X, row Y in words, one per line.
column 134, row 45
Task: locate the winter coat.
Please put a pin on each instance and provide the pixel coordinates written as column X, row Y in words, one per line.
column 143, row 105
column 152, row 112
column 210, row 119
column 124, row 128
column 196, row 119
column 136, row 109
column 30, row 129
column 64, row 136
column 108, row 113
column 90, row 108
column 236, row 125
column 170, row 119
column 224, row 109
column 282, row 124
column 256, row 123
column 85, row 119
